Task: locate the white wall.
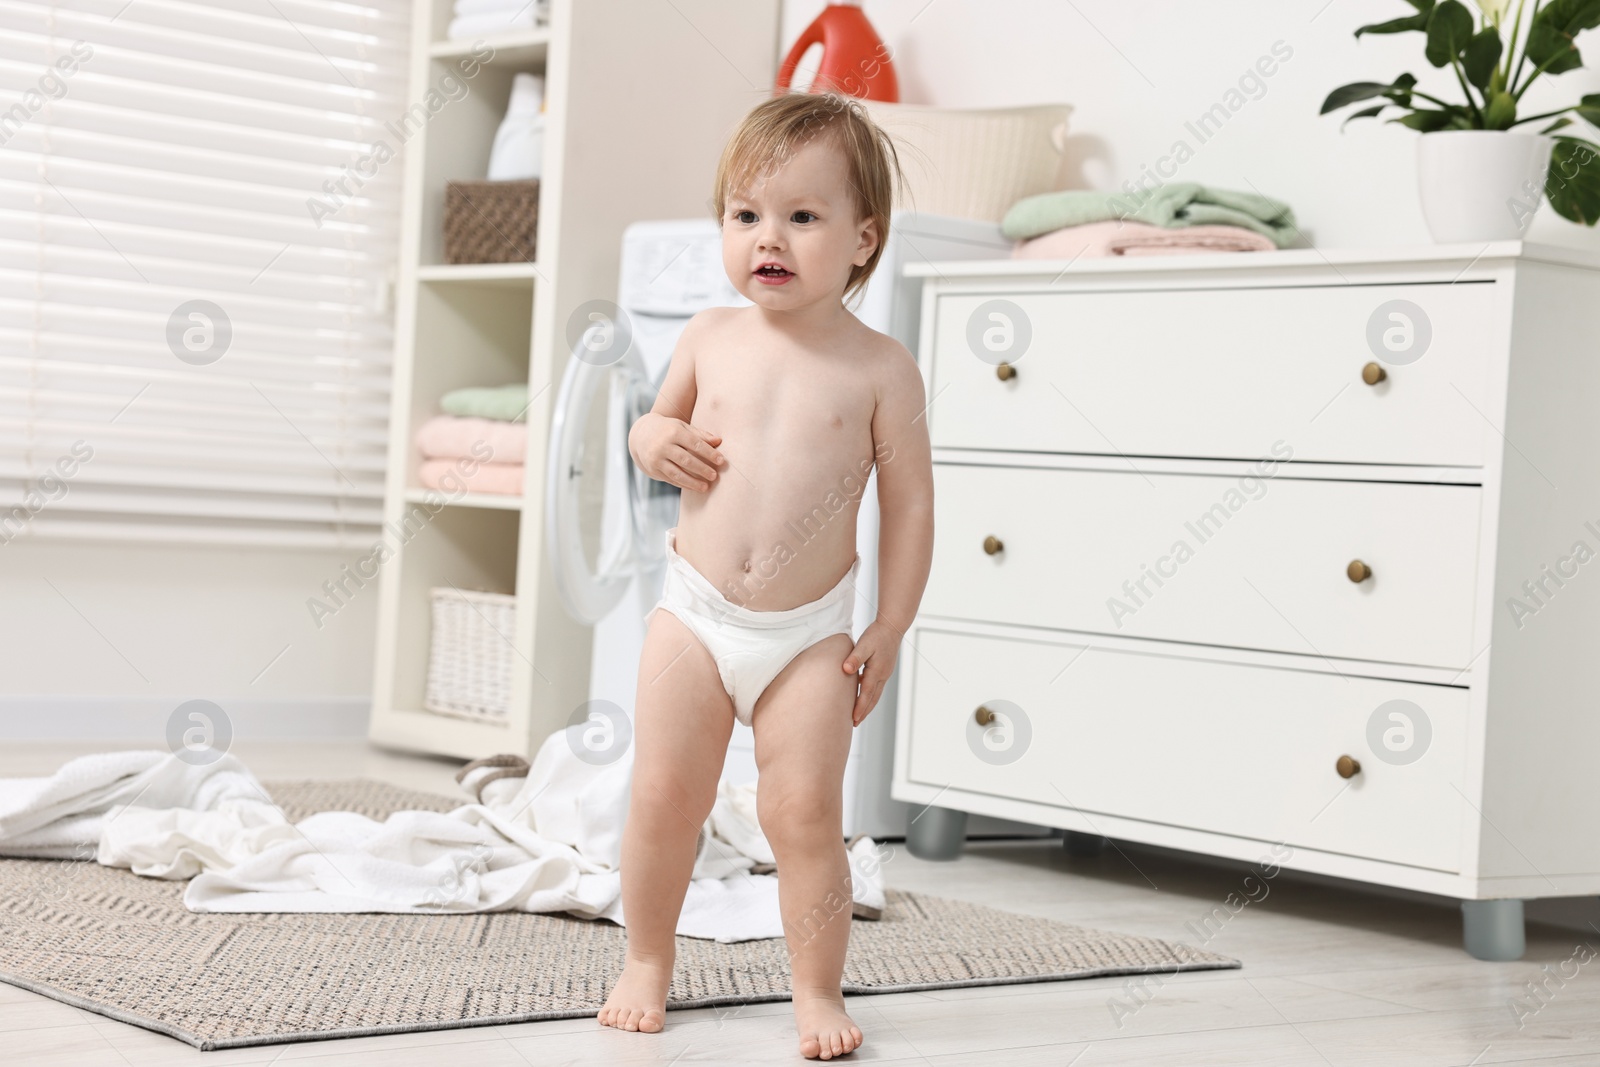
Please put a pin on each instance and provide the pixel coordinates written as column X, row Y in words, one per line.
column 105, row 641
column 161, row 625
column 1136, row 72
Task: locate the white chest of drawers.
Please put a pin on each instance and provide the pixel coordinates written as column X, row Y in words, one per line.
column 1287, row 549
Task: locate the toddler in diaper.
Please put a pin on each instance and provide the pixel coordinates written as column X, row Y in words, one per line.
column 770, row 419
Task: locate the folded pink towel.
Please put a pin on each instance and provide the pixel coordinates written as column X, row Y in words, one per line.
column 452, row 436
column 447, row 475
column 1116, row 237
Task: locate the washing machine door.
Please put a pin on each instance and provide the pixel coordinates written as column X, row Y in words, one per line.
column 605, row 520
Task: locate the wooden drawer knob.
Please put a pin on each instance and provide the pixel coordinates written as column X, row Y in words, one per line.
column 1005, row 372
column 983, row 715
column 993, row 544
column 1358, row 571
column 1373, row 373
column 1348, row 766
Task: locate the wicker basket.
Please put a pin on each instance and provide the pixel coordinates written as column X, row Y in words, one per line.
column 974, row 164
column 469, row 662
column 491, row 222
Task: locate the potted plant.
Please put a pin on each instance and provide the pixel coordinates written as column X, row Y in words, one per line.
column 1479, row 176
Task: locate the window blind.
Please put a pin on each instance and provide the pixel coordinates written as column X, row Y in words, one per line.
column 196, row 256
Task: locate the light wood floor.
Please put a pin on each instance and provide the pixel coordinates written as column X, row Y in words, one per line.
column 1333, row 975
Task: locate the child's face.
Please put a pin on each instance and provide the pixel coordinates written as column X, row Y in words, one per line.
column 802, row 218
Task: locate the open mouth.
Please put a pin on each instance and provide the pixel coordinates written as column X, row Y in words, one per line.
column 772, row 270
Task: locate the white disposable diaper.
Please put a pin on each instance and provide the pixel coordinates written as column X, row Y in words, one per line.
column 751, row 648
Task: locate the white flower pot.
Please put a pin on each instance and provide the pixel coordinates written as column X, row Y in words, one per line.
column 1481, row 185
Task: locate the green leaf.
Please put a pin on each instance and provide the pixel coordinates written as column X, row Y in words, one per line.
column 1556, row 125
column 1483, row 52
column 1573, row 184
column 1449, row 30
column 1349, row 94
column 1410, row 22
column 1400, row 91
column 1501, row 112
column 1364, row 113
column 1554, row 29
column 1572, row 16
column 1427, row 120
column 1551, row 49
column 1588, row 109
column 1419, row 21
column 1402, row 87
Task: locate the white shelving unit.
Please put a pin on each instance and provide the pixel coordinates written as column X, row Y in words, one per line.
column 639, row 100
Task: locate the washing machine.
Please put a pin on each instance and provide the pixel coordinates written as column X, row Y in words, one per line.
column 606, row 521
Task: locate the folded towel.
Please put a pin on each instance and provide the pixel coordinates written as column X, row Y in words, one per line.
column 463, row 27
column 458, row 437
column 508, row 403
column 449, row 476
column 1175, row 205
column 1119, row 238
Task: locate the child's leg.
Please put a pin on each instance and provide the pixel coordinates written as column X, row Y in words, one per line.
column 681, row 725
column 803, row 729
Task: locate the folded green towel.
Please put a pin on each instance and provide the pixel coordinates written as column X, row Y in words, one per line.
column 508, row 403
column 1175, row 205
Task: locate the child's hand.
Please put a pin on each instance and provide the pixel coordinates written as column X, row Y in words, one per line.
column 671, row 450
column 878, row 648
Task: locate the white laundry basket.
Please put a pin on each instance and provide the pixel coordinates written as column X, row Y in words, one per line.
column 975, row 163
column 469, row 658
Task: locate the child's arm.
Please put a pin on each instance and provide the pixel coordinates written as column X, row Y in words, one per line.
column 905, row 531
column 662, row 442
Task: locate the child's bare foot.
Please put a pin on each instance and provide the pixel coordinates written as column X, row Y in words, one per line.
column 825, row 1030
column 639, row 1000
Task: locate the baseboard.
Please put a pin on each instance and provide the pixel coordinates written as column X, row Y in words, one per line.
column 94, row 718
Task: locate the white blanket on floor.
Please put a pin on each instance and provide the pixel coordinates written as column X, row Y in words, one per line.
column 547, row 842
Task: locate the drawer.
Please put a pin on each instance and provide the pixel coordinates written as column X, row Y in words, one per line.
column 1250, row 562
column 1219, row 373
column 1223, row 747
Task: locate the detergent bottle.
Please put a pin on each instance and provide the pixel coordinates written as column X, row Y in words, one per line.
column 855, row 61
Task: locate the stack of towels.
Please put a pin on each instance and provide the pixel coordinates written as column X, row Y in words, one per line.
column 1183, row 217
column 485, row 18
column 480, row 441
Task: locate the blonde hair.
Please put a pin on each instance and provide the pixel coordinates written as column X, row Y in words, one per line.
column 776, row 129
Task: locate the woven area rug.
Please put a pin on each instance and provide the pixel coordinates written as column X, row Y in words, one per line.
column 111, row 942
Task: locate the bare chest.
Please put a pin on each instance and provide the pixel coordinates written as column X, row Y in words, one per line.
column 820, row 413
